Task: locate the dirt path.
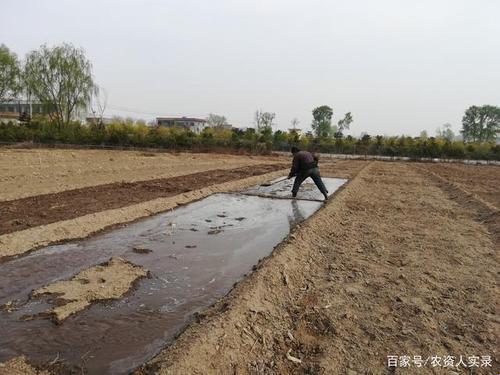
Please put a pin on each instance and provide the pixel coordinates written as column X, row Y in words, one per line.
column 25, row 172
column 30, row 212
column 392, row 266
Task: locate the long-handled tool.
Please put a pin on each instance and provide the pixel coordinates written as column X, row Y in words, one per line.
column 275, row 181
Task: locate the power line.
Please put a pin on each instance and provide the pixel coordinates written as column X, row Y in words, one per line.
column 130, row 110
column 156, row 114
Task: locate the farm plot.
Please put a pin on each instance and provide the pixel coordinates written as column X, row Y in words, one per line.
column 395, row 264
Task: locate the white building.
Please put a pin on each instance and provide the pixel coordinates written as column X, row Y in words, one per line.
column 196, row 125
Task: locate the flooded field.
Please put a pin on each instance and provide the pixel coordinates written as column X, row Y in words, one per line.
column 194, row 255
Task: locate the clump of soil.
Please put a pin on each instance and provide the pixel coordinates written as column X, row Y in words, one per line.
column 214, row 231
column 141, row 250
column 19, row 366
column 110, row 280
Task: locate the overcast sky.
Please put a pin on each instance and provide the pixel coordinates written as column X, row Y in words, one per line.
column 400, row 66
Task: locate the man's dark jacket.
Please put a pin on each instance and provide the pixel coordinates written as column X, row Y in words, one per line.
column 302, row 162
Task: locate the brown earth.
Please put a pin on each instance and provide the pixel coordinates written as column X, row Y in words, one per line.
column 110, row 280
column 19, row 214
column 478, row 203
column 481, row 180
column 25, row 172
column 392, row 266
column 19, row 366
column 341, row 168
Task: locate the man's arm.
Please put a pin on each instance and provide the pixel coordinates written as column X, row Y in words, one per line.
column 295, row 167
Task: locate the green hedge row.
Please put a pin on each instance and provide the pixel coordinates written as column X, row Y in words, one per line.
column 140, row 135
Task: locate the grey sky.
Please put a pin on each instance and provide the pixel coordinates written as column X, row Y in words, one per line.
column 399, row 66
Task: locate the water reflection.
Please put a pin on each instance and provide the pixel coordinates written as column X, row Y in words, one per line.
column 297, row 215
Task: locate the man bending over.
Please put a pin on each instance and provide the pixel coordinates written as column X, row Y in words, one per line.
column 305, row 165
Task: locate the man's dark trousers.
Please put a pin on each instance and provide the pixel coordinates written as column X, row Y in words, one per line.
column 314, row 174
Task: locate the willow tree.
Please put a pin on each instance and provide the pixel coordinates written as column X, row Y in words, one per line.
column 61, row 78
column 9, row 74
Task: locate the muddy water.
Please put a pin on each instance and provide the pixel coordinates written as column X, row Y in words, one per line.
column 198, row 252
column 308, row 189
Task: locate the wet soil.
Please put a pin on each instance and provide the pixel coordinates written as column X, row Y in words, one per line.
column 39, row 210
column 308, row 190
column 196, row 253
column 19, row 366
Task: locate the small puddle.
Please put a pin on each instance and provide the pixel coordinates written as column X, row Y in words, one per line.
column 195, row 254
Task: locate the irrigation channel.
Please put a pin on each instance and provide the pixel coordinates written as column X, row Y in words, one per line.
column 197, row 253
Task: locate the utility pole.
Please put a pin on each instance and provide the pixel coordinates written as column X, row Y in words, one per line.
column 29, row 103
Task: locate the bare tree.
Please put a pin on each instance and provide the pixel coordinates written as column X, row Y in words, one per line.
column 99, row 103
column 264, row 120
column 216, row 121
column 268, row 119
column 258, row 120
column 445, row 132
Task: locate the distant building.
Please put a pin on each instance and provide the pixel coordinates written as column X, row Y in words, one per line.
column 19, row 106
column 6, row 117
column 14, row 109
column 196, row 125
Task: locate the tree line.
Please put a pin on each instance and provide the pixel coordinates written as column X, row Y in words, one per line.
column 61, row 79
column 127, row 132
